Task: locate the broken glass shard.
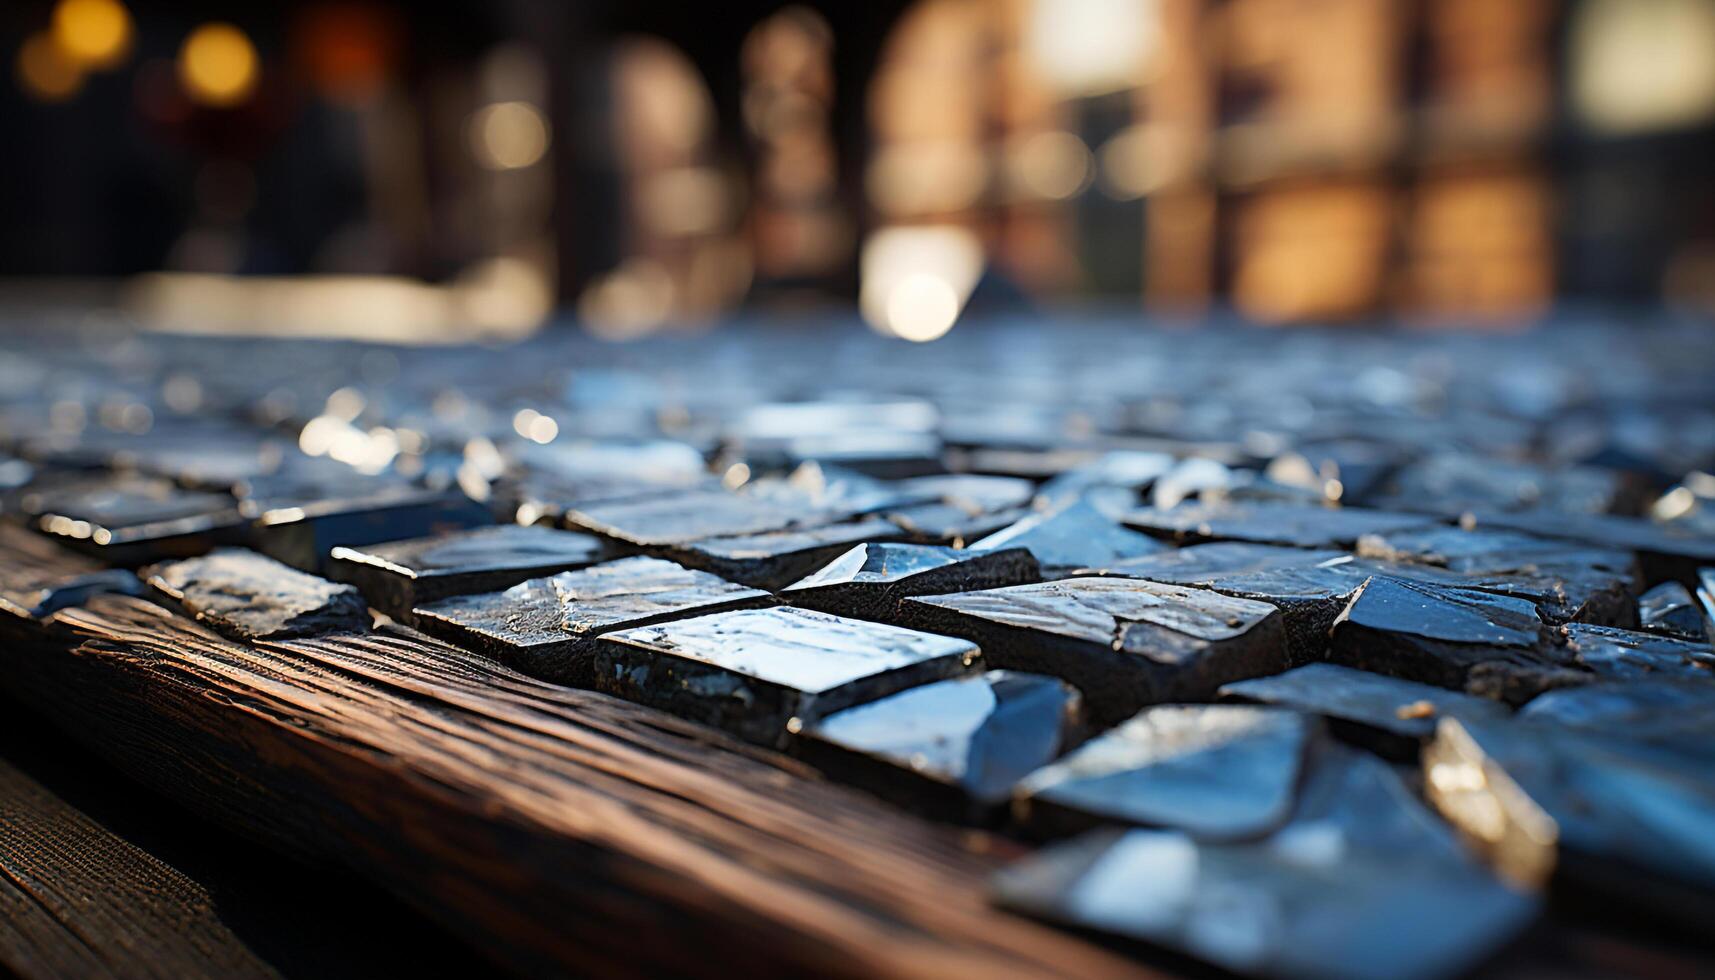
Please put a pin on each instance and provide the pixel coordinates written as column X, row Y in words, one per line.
column 868, row 581
column 1669, row 610
column 128, row 519
column 1459, row 639
column 1633, row 817
column 543, row 626
column 1362, row 883
column 1214, row 771
column 1629, row 655
column 1074, row 537
column 1376, row 711
column 1124, row 643
column 772, row 559
column 763, row 674
column 398, row 576
column 952, row 749
column 1295, row 525
column 1305, row 585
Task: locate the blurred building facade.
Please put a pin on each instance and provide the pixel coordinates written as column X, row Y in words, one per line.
column 650, row 163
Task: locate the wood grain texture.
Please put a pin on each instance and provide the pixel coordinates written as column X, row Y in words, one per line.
column 557, row 830
column 78, row 901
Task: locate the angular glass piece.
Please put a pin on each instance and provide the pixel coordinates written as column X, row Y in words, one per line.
column 1123, row 643
column 1215, row 771
column 1669, row 610
column 1464, row 550
column 1075, row 536
column 247, row 596
column 1544, row 799
column 954, row 748
column 1338, row 469
column 966, row 507
column 1190, row 478
column 1670, row 713
column 1380, row 712
column 951, row 524
column 869, row 581
column 1130, row 470
column 1566, row 581
column 762, row 674
column 835, row 488
column 1305, row 585
column 398, row 576
column 543, row 626
column 681, row 518
column 1296, row 525
column 773, row 559
column 1452, row 483
column 1706, row 601
column 1459, row 639
column 1363, row 883
column 1664, row 551
column 1627, row 655
column 128, row 519
column 304, row 534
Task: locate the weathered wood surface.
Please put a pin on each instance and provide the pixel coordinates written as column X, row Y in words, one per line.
column 557, row 830
column 76, row 900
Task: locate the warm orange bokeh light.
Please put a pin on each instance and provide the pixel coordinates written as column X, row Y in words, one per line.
column 93, row 33
column 44, row 71
column 218, row 65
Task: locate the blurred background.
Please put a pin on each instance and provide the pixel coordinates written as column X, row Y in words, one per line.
column 422, row 171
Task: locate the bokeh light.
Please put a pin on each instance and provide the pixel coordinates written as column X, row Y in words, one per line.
column 915, row 280
column 218, row 65
column 45, row 72
column 508, row 135
column 93, row 33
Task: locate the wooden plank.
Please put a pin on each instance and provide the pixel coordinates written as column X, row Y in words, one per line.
column 556, row 829
column 76, row 900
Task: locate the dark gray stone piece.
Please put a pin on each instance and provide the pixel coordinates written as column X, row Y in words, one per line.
column 1459, row 639
column 764, row 674
column 128, row 519
column 1568, row 582
column 677, row 519
column 247, row 596
column 1631, row 817
column 1363, row 883
column 953, row 749
column 1309, row 587
column 1451, row 483
column 1664, row 551
column 543, row 626
column 774, row 559
column 1669, row 610
column 1218, row 772
column 1073, row 537
column 1380, row 712
column 398, row 576
column 304, row 535
column 1124, row 643
column 965, row 507
column 870, row 580
column 1295, row 525
column 1617, row 654
column 1671, row 714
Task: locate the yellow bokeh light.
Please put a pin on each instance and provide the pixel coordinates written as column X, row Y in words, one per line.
column 93, row 33
column 45, row 72
column 218, row 65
